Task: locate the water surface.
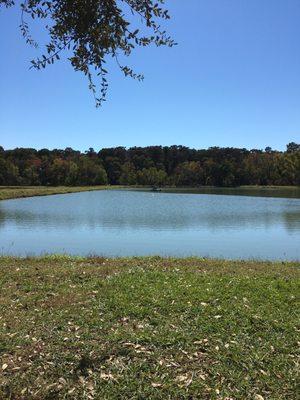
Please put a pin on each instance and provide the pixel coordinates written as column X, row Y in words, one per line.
column 125, row 223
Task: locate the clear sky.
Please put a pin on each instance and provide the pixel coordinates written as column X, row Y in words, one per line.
column 233, row 80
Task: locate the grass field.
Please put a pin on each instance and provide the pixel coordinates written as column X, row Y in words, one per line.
column 14, row 192
column 148, row 328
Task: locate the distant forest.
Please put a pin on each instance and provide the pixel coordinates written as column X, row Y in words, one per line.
column 154, row 166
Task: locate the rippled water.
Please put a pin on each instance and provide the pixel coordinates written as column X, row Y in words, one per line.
column 122, row 223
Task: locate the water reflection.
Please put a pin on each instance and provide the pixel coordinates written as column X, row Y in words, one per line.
column 151, row 211
column 82, row 218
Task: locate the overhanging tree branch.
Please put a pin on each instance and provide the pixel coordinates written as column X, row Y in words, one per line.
column 93, row 30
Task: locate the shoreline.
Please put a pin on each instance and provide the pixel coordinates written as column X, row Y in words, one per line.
column 15, row 192
column 94, row 258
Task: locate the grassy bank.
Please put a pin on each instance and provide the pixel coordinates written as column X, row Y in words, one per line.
column 148, row 328
column 14, row 192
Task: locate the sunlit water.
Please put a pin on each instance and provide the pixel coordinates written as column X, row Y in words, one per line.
column 125, row 223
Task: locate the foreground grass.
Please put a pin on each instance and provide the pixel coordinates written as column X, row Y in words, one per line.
column 14, row 192
column 148, row 328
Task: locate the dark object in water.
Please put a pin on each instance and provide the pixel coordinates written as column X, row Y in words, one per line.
column 156, row 189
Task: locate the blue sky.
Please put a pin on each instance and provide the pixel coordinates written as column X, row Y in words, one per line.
column 233, row 80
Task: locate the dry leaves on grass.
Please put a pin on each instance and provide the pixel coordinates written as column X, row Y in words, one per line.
column 107, row 376
column 138, row 348
column 184, row 380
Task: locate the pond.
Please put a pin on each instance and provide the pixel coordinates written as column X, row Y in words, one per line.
column 134, row 223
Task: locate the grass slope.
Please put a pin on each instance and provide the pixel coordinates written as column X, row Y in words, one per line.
column 148, row 328
column 14, row 192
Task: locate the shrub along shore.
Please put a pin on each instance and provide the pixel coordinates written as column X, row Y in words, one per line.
column 148, row 328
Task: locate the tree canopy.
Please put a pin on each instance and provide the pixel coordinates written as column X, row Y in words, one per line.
column 91, row 31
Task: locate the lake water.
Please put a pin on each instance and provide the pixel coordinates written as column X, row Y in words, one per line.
column 126, row 223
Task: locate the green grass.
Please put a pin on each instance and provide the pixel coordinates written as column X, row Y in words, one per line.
column 148, row 328
column 14, row 192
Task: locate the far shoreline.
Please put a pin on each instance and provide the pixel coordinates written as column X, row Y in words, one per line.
column 16, row 192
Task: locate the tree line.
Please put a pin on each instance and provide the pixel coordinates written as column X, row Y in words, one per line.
column 153, row 165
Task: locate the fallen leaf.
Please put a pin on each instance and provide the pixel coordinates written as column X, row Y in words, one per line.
column 62, row 381
column 90, row 387
column 263, row 372
column 189, row 381
column 107, row 377
column 155, row 385
column 181, row 378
